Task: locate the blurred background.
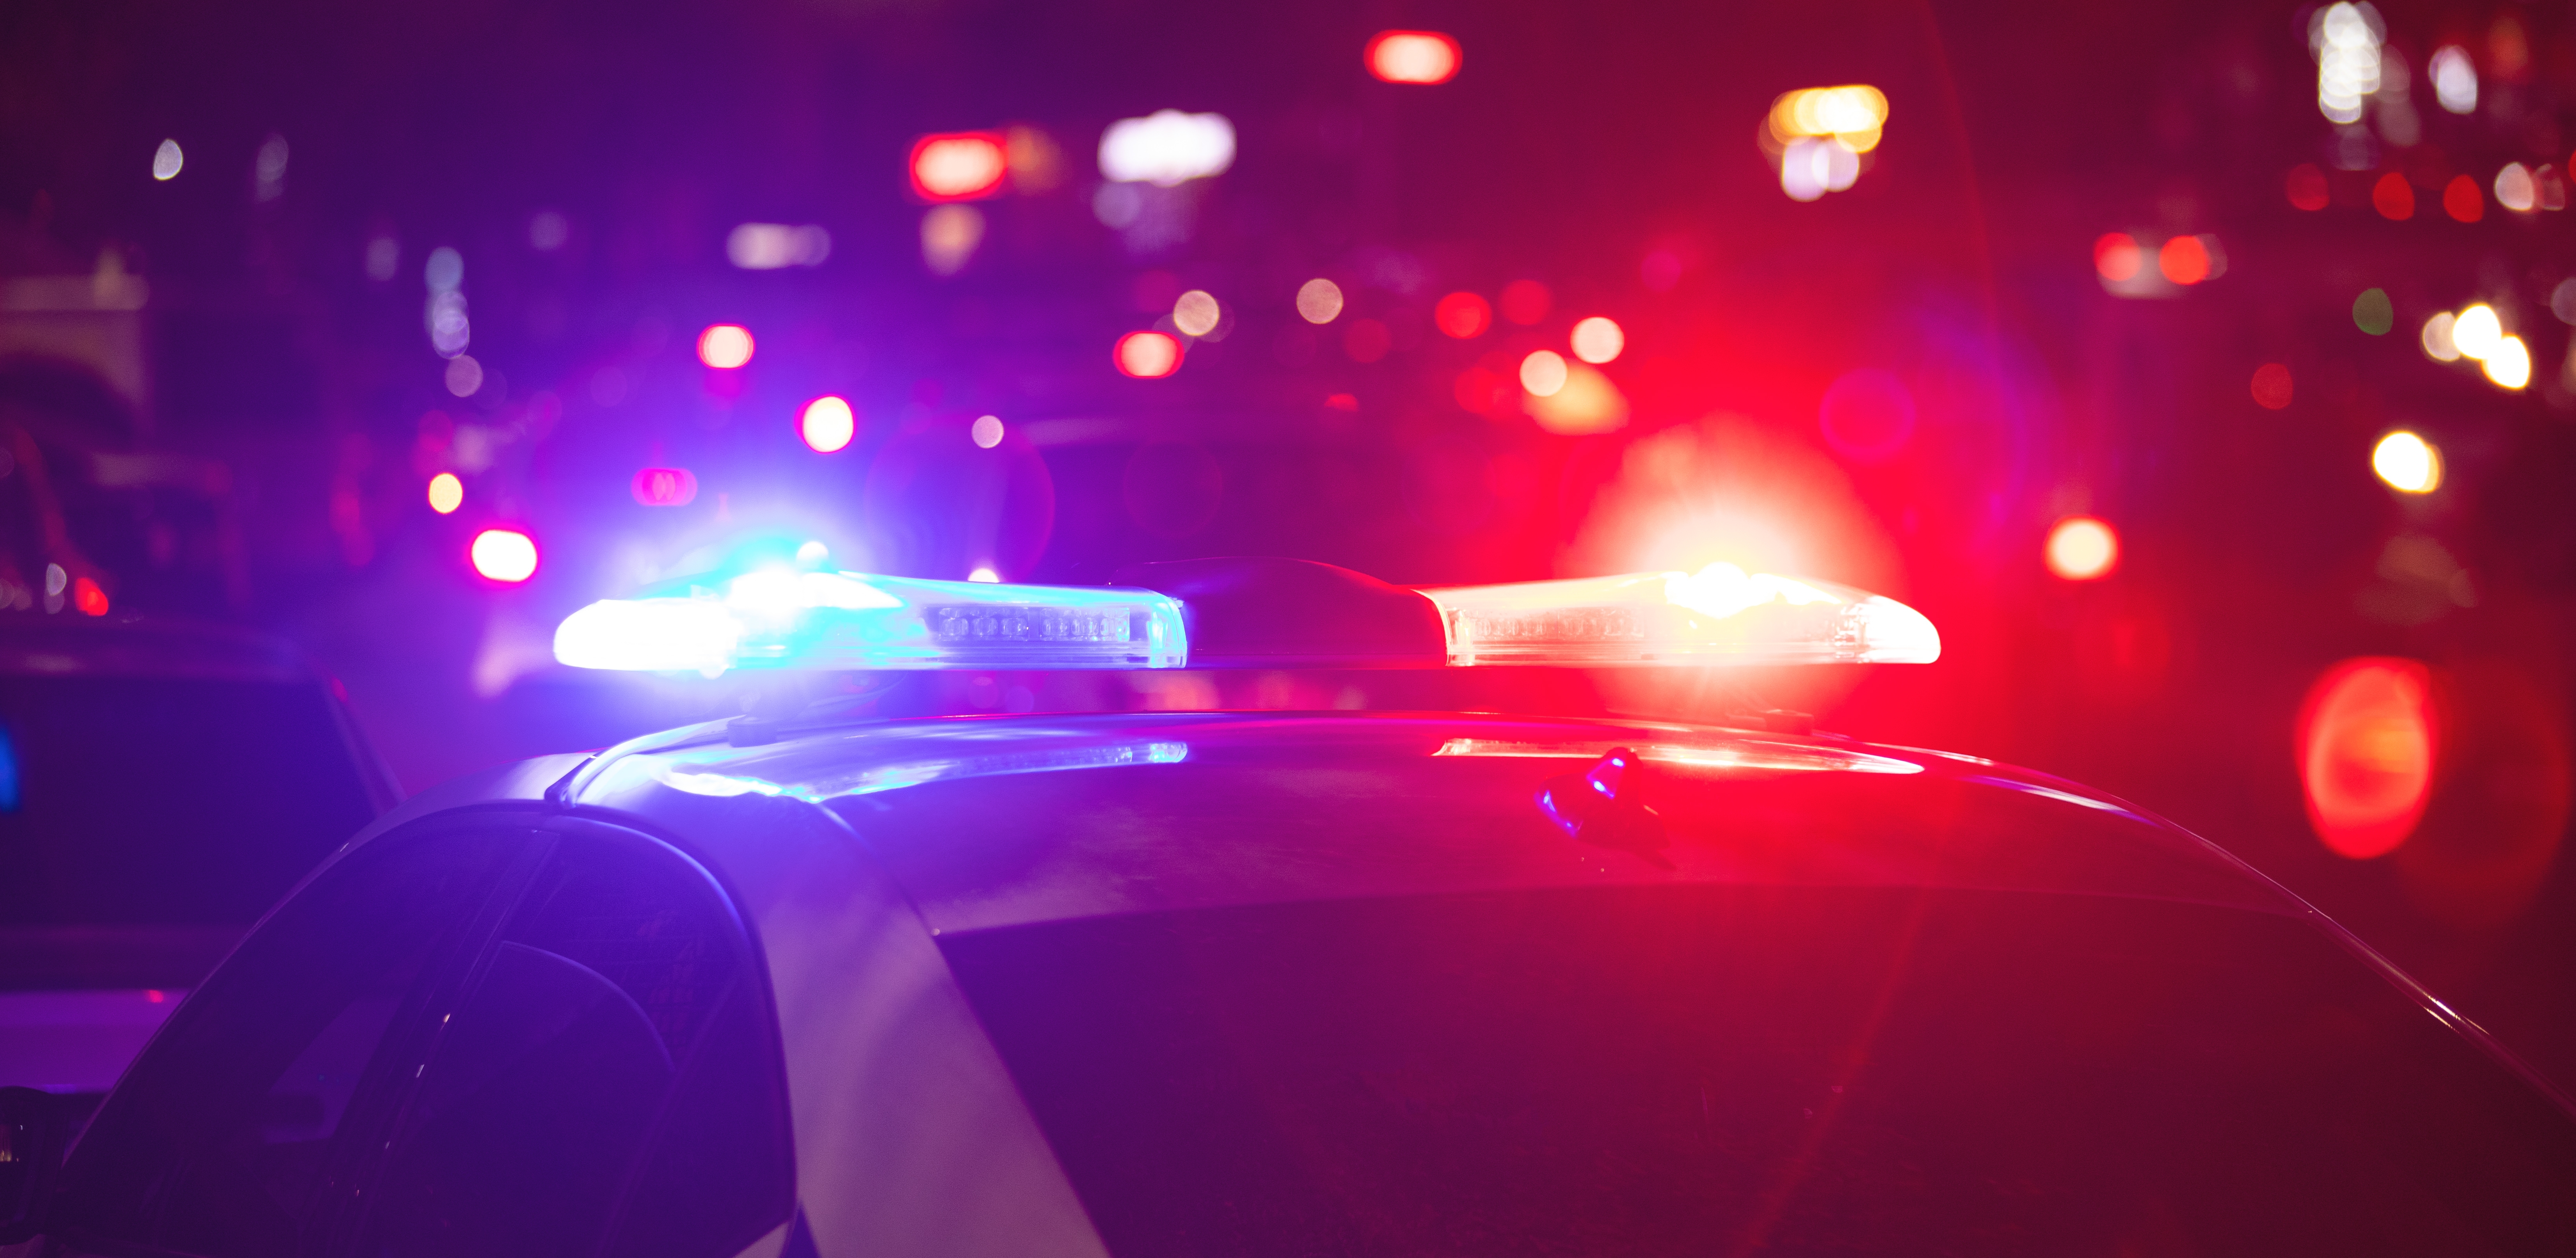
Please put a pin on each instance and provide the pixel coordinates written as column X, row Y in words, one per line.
column 2203, row 370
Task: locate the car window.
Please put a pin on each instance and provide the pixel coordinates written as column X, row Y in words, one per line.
column 499, row 1041
column 1693, row 1069
column 145, row 823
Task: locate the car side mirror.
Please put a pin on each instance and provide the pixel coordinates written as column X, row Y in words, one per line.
column 33, row 1129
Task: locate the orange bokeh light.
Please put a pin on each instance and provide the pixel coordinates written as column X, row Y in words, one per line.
column 1148, row 355
column 1413, row 57
column 1464, row 316
column 2393, row 197
column 2366, row 742
column 2081, row 548
column 2184, row 260
column 446, row 493
column 2117, row 256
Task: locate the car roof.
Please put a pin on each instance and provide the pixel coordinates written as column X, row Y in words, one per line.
column 998, row 821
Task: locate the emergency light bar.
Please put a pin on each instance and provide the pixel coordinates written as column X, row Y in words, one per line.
column 1241, row 613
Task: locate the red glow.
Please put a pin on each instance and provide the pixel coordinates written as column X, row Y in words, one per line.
column 1413, row 57
column 2117, row 257
column 505, row 555
column 2081, row 548
column 959, row 165
column 2461, row 199
column 2394, row 199
column 724, row 346
column 1526, row 301
column 2366, row 740
column 664, row 486
column 2184, row 260
column 1342, row 402
column 154, row 994
column 2307, row 187
column 1148, row 355
column 91, row 600
column 1463, row 315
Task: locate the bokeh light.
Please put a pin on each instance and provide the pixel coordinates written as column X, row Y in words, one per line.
column 2516, row 190
column 2346, row 38
column 949, row 237
column 504, row 555
column 1366, row 340
column 986, row 432
column 2184, row 260
column 2509, row 363
column 1852, row 116
column 984, row 576
column 1543, row 373
column 1166, row 148
column 724, row 346
column 2081, row 548
column 463, row 376
column 88, row 597
column 2307, row 187
column 2455, row 79
column 2394, row 198
column 1413, row 57
column 166, row 161
column 2460, row 199
column 2407, row 463
column 1319, row 300
column 1525, row 302
column 1147, row 355
column 1583, row 403
column 664, row 486
column 827, row 424
column 1196, row 313
column 770, row 246
column 2272, row 385
column 446, row 493
column 2116, row 256
column 2477, row 332
column 959, row 166
column 1598, row 339
column 1810, row 168
column 1867, row 415
column 2372, row 313
column 1464, row 316
column 2440, row 337
column 2366, row 741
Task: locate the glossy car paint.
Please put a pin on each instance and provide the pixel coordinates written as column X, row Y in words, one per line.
column 852, row 847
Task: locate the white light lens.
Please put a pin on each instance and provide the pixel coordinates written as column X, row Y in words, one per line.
column 1719, row 615
column 1166, row 148
column 832, row 621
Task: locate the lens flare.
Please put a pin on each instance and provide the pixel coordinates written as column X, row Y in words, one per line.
column 2081, row 548
column 446, row 493
column 2366, row 744
column 2407, row 463
column 505, row 555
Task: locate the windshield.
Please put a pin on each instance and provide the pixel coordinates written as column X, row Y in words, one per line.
column 146, row 822
column 1720, row 1070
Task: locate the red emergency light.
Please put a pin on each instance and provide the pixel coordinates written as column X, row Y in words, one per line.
column 665, row 486
column 959, row 165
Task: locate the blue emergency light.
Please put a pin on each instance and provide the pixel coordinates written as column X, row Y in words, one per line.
column 1241, row 613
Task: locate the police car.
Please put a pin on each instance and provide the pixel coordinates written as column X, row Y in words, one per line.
column 1159, row 984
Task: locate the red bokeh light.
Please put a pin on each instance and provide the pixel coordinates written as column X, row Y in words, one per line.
column 1526, row 301
column 2307, row 187
column 1147, row 355
column 88, row 598
column 504, row 555
column 2460, row 199
column 827, row 424
column 1413, row 57
column 959, row 165
column 2184, row 260
column 2117, row 257
column 665, row 487
column 2393, row 197
column 2366, row 743
column 724, row 346
column 1464, row 316
column 2272, row 386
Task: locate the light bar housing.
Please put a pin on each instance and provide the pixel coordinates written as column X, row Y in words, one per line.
column 848, row 621
column 1718, row 615
column 1241, row 613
